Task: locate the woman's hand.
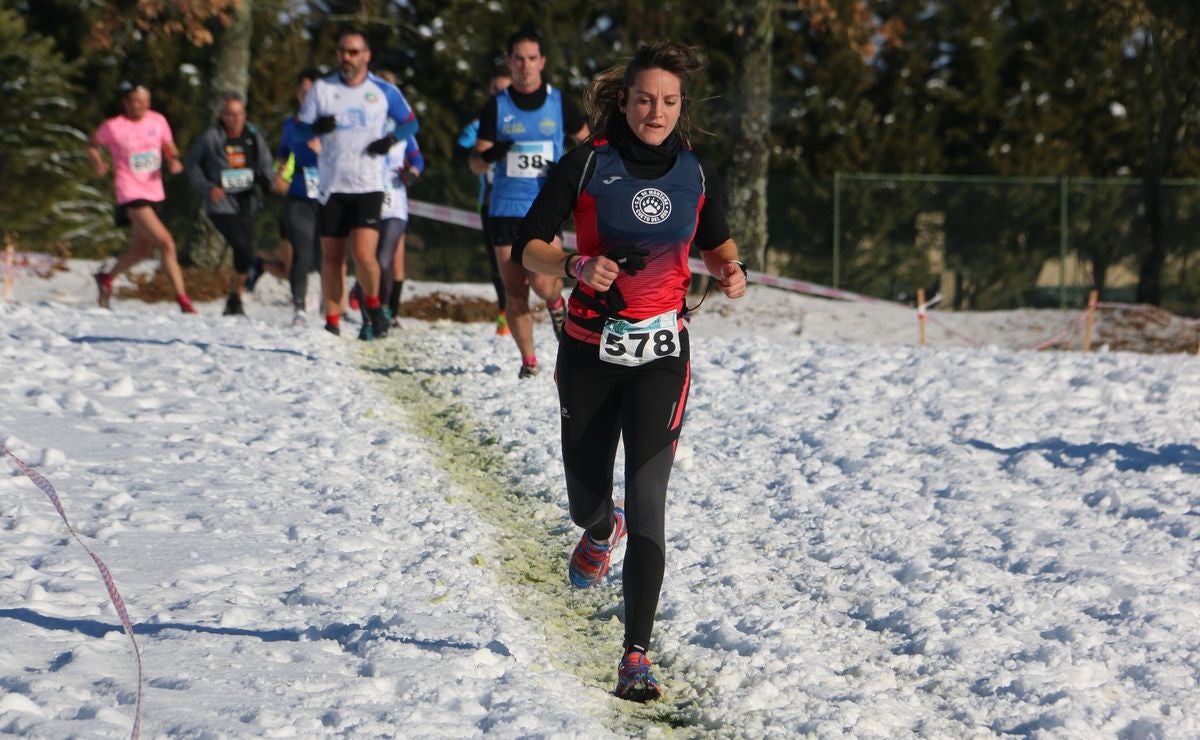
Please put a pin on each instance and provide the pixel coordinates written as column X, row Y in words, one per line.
column 733, row 280
column 598, row 273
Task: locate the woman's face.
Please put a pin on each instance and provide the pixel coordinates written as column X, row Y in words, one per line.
column 136, row 102
column 653, row 104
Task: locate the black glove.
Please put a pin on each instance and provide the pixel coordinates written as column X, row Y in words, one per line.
column 324, row 125
column 380, row 147
column 630, row 260
column 498, row 151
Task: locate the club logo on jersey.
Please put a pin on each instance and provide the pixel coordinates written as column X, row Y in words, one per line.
column 547, row 126
column 370, row 97
column 651, row 206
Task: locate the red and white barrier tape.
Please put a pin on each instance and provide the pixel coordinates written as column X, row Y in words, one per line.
column 932, row 318
column 446, row 214
column 27, row 262
column 113, row 594
column 472, row 220
column 461, row 217
column 1072, row 326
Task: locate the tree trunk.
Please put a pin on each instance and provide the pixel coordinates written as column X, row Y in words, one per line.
column 231, row 73
column 1154, row 257
column 753, row 24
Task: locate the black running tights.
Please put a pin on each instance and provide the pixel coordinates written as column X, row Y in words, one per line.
column 601, row 404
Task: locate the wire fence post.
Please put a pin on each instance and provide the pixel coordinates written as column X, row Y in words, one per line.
column 10, row 261
column 837, row 227
column 921, row 315
column 1063, row 240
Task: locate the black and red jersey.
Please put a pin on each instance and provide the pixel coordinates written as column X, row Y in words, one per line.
column 650, row 222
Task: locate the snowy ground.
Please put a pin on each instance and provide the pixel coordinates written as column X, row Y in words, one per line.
column 321, row 537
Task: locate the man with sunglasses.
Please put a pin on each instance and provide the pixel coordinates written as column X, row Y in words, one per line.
column 357, row 117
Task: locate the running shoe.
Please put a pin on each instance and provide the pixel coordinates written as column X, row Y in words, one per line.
column 558, row 318
column 502, row 325
column 254, row 273
column 185, row 304
column 333, row 329
column 635, row 682
column 299, row 317
column 233, row 306
column 527, row 371
column 590, row 560
column 377, row 322
column 104, row 282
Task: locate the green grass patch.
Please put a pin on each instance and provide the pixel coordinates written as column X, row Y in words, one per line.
column 534, row 537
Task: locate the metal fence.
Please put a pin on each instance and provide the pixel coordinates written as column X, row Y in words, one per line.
column 983, row 242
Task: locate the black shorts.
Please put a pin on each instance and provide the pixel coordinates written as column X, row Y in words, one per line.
column 502, row 230
column 346, row 211
column 121, row 215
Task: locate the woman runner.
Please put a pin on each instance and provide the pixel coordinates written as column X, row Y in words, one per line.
column 640, row 197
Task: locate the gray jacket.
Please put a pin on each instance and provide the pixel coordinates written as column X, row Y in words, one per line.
column 206, row 160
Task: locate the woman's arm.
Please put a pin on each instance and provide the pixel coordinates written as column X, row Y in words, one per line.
column 723, row 264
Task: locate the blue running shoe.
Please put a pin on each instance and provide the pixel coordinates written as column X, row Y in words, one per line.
column 589, row 561
column 635, row 682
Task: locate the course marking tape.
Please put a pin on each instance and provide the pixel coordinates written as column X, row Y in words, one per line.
column 113, row 594
column 462, row 217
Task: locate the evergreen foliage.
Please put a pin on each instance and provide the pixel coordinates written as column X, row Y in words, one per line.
column 1076, row 89
column 44, row 191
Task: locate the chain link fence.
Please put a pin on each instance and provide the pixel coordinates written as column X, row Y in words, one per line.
column 984, row 243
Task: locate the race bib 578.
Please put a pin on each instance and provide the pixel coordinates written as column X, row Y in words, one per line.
column 636, row 343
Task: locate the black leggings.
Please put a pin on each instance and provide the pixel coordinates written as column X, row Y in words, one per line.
column 238, row 230
column 390, row 231
column 601, row 404
column 300, row 220
column 493, row 265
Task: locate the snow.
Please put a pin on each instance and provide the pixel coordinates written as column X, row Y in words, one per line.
column 320, row 537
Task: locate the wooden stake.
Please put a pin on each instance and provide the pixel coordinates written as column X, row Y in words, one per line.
column 1093, row 298
column 10, row 260
column 921, row 313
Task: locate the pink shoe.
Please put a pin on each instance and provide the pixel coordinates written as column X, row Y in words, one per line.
column 590, row 560
column 635, row 682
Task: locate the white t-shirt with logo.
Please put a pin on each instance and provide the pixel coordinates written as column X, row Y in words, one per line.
column 364, row 113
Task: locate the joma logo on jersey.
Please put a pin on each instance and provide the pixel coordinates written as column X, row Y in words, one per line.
column 651, row 206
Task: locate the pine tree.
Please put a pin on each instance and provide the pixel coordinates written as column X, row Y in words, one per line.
column 45, row 193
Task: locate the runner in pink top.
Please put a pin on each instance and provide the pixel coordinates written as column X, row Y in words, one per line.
column 139, row 141
column 137, row 151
